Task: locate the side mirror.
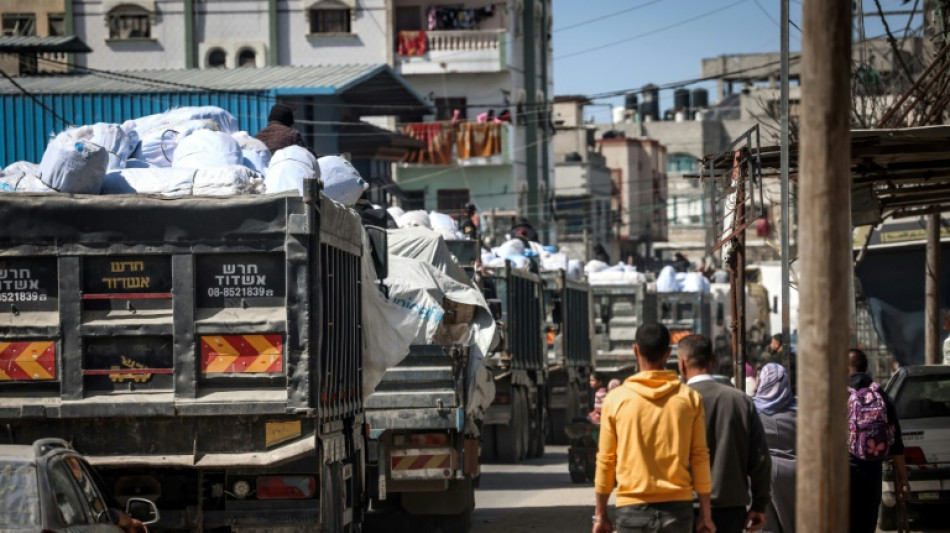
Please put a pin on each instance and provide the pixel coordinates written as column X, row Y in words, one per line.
column 379, row 246
column 143, row 510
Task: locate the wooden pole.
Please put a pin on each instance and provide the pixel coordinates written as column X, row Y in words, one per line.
column 932, row 306
column 822, row 476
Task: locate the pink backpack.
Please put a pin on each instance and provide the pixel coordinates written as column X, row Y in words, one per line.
column 871, row 435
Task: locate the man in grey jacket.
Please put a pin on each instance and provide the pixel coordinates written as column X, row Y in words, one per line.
column 738, row 452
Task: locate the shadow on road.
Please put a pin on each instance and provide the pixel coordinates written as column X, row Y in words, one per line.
column 528, row 481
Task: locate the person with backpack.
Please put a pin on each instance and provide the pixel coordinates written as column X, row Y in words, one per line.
column 874, row 435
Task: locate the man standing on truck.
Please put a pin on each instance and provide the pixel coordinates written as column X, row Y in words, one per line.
column 653, row 445
column 737, row 447
column 278, row 133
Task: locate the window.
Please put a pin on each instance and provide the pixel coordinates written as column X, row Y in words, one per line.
column 71, row 505
column 329, row 20
column 129, row 22
column 216, row 58
column 414, row 201
column 445, row 108
column 19, row 24
column 87, row 486
column 452, row 201
column 680, row 163
column 247, row 58
column 57, row 24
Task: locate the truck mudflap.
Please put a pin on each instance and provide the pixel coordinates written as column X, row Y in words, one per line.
column 422, row 463
column 273, row 457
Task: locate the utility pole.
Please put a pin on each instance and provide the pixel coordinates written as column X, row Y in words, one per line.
column 822, row 477
column 786, row 207
column 932, row 305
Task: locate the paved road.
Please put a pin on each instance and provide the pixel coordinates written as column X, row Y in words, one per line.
column 536, row 496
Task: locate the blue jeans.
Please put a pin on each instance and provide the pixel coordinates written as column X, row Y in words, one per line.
column 664, row 517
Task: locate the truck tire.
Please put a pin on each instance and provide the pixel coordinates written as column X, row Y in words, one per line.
column 509, row 445
column 529, row 425
column 488, row 443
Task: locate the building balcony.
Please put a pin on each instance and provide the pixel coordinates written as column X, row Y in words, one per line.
column 460, row 143
column 451, row 51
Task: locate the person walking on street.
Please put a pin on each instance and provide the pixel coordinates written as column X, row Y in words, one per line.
column 777, row 410
column 653, row 446
column 598, row 384
column 874, row 435
column 737, row 448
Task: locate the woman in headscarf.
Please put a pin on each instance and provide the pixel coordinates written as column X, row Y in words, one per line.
column 777, row 409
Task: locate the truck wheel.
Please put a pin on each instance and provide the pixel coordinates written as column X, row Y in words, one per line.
column 509, row 445
column 527, row 420
column 488, row 443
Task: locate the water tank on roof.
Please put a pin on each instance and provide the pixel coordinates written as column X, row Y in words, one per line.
column 681, row 99
column 699, row 98
column 630, row 102
column 650, row 107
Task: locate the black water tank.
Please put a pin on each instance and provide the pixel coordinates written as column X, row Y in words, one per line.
column 681, row 100
column 630, row 102
column 650, row 107
column 700, row 98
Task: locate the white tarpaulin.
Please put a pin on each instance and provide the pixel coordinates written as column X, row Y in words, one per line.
column 420, row 288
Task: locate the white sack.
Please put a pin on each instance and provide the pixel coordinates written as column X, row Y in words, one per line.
column 19, row 176
column 218, row 181
column 158, row 144
column 445, row 226
column 72, row 166
column 425, row 245
column 395, row 211
column 255, row 153
column 289, row 167
column 510, row 248
column 207, row 149
column 341, row 181
column 575, row 270
column 595, row 265
column 225, row 120
column 414, row 219
column 695, row 282
column 666, row 281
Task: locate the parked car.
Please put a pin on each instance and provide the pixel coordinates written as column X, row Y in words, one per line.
column 921, row 396
column 49, row 487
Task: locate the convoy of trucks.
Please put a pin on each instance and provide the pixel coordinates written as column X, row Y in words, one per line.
column 208, row 354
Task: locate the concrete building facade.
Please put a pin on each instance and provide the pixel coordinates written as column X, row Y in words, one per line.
column 640, row 183
column 485, row 67
column 42, row 18
column 583, row 183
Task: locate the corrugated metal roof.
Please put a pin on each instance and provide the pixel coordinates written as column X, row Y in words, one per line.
column 284, row 79
column 37, row 45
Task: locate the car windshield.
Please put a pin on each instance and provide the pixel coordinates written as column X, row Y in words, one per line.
column 924, row 397
column 19, row 499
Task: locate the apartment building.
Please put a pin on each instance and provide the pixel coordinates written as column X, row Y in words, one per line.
column 33, row 18
column 485, row 66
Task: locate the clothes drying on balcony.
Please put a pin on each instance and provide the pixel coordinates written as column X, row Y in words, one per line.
column 463, row 140
column 457, row 18
column 478, row 139
column 412, row 43
column 438, row 138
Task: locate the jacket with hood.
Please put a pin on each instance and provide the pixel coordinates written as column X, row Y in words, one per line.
column 653, row 441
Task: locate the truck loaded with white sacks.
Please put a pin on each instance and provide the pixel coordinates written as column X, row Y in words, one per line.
column 214, row 331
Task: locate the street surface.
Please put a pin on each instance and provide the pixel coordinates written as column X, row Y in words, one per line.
column 537, row 496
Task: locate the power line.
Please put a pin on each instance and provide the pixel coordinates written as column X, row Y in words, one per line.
column 653, row 32
column 607, row 16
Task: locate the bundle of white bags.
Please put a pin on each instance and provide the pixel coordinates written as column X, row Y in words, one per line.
column 188, row 150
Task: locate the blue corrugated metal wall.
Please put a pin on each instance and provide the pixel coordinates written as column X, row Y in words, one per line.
column 26, row 127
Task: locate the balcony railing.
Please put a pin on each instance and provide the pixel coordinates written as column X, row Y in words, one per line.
column 460, row 143
column 426, row 52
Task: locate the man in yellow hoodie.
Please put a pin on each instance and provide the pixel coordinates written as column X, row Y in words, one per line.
column 653, row 446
